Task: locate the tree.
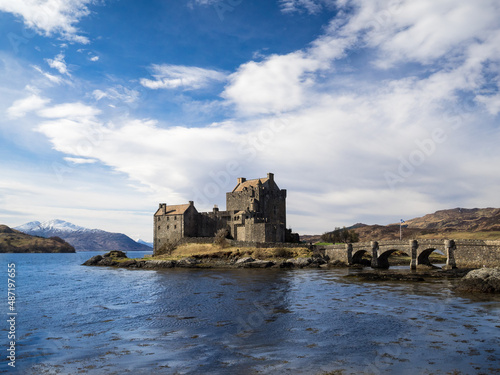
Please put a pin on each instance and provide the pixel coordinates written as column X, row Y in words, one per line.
column 342, row 235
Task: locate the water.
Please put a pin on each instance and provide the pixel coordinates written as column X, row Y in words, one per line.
column 91, row 320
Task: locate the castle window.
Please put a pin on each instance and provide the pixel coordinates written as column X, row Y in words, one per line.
column 158, row 227
column 175, row 217
column 168, row 218
column 168, row 227
column 175, row 226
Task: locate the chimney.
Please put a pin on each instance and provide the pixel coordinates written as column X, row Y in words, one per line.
column 216, row 208
column 270, row 176
column 163, row 207
column 191, row 203
column 241, row 180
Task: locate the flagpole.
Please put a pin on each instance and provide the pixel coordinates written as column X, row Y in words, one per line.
column 400, row 231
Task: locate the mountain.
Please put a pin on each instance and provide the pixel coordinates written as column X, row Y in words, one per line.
column 462, row 219
column 150, row 244
column 457, row 223
column 13, row 241
column 83, row 239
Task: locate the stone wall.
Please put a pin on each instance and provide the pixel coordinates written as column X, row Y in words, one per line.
column 477, row 253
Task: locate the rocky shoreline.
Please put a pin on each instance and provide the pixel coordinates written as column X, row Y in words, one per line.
column 120, row 259
column 485, row 280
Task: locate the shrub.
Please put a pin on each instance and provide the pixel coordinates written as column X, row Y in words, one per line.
column 220, row 238
column 281, row 252
column 259, row 254
column 167, row 248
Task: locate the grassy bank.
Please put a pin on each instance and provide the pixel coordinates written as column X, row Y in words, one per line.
column 213, row 251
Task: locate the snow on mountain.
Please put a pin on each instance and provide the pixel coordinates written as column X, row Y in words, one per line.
column 82, row 239
column 51, row 225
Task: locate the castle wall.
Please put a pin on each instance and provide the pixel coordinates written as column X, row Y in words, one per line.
column 256, row 212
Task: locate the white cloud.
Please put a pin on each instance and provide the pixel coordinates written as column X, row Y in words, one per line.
column 80, row 160
column 178, row 76
column 59, row 64
column 117, row 93
column 29, row 104
column 311, row 6
column 94, row 58
column 423, row 31
column 69, row 111
column 50, row 17
column 52, row 78
column 492, row 103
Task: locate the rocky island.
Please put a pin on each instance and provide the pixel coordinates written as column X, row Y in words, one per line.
column 13, row 241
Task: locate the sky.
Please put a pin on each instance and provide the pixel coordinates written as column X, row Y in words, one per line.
column 366, row 111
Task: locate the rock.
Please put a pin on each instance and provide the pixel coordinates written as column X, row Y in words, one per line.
column 483, row 280
column 187, row 262
column 259, row 264
column 93, row 261
column 115, row 254
column 242, row 261
column 129, row 263
column 299, row 262
column 158, row 264
column 339, row 263
column 317, row 261
column 107, row 262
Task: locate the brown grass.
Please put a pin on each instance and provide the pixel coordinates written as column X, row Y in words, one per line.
column 191, row 250
column 490, row 235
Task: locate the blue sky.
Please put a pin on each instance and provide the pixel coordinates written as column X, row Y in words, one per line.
column 366, row 111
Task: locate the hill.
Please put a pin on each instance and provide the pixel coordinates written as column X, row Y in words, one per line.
column 13, row 241
column 457, row 223
column 83, row 239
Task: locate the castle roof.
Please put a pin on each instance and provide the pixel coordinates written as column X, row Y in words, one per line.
column 174, row 209
column 250, row 184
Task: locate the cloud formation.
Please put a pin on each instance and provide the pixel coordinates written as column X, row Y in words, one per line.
column 369, row 120
column 169, row 76
column 59, row 64
column 50, row 17
column 23, row 106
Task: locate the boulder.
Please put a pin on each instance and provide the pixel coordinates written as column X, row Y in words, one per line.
column 93, row 261
column 259, row 264
column 340, row 264
column 115, row 254
column 129, row 263
column 483, row 280
column 242, row 261
column 187, row 262
column 107, row 262
column 299, row 262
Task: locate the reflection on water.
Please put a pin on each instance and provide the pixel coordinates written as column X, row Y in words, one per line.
column 75, row 319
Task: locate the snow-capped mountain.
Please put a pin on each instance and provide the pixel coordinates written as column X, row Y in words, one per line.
column 81, row 238
column 38, row 228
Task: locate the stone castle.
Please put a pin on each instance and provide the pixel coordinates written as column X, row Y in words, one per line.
column 255, row 212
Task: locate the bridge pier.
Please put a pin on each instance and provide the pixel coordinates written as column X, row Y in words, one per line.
column 374, row 245
column 450, row 247
column 348, row 247
column 413, row 254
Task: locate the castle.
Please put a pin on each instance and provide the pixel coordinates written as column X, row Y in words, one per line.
column 255, row 212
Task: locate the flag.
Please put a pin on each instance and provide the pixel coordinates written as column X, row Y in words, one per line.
column 401, row 224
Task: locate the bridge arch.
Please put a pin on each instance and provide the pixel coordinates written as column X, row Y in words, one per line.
column 357, row 257
column 423, row 256
column 383, row 258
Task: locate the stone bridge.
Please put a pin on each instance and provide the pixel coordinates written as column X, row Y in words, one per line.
column 459, row 253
